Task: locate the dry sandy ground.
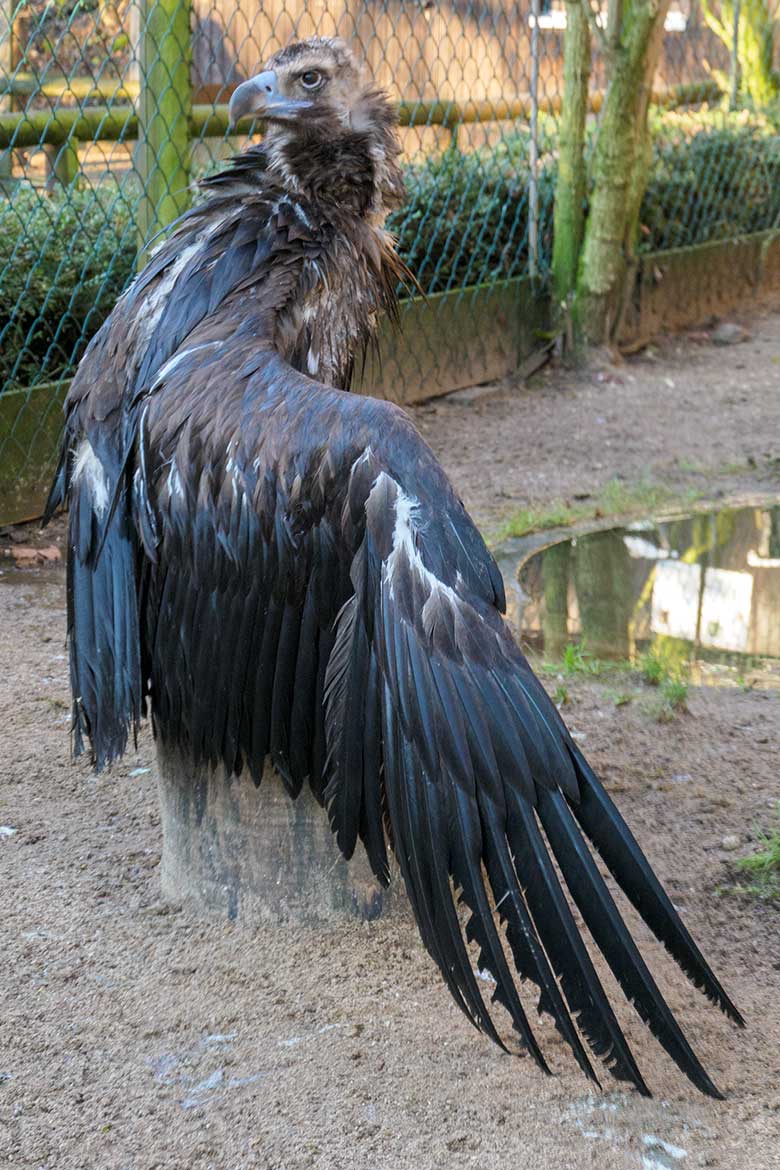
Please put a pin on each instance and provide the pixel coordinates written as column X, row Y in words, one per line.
column 133, row 1035
column 692, row 416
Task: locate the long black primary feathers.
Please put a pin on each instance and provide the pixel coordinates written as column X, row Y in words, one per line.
column 279, row 568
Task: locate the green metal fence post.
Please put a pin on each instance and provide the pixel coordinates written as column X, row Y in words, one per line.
column 164, row 108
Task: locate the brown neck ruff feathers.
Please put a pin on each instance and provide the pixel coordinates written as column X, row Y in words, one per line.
column 326, row 180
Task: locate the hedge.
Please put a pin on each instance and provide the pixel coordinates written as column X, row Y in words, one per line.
column 65, row 259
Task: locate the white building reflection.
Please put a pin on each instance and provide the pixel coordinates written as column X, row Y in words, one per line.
column 711, row 582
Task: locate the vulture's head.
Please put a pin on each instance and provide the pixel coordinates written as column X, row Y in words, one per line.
column 321, row 110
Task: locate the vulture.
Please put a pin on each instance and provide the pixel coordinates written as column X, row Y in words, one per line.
column 273, row 566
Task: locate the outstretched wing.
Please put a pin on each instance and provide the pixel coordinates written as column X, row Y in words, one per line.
column 314, row 590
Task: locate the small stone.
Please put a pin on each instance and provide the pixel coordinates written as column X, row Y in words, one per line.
column 729, row 333
column 27, row 555
column 731, row 842
column 661, row 1154
column 6, row 831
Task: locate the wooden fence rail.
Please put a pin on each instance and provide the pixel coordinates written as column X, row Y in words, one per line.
column 27, row 85
column 114, row 122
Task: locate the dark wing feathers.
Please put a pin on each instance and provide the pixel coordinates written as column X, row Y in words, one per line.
column 483, row 765
column 561, row 939
column 348, row 627
column 609, row 833
column 105, row 661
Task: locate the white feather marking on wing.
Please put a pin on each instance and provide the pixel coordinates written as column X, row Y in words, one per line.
column 168, row 367
column 175, row 487
column 155, row 304
column 302, row 216
column 404, row 546
column 234, row 474
column 89, row 468
column 157, row 300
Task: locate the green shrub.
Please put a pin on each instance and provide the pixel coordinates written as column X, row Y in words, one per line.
column 65, row 258
column 763, row 867
column 716, row 185
column 466, row 218
column 63, row 263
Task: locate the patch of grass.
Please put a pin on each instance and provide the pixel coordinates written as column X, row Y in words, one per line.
column 663, row 666
column 621, row 698
column 561, row 696
column 652, row 668
column 556, row 515
column 577, row 660
column 667, row 658
column 685, row 463
column 763, row 867
column 670, row 702
column 674, row 692
column 616, row 499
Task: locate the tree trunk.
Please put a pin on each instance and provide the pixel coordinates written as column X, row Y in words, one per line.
column 756, row 52
column 556, row 568
column 602, row 577
column 7, row 66
column 571, row 183
column 755, row 44
column 619, row 173
column 234, row 850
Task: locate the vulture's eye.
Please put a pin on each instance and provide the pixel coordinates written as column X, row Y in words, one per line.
column 311, row 79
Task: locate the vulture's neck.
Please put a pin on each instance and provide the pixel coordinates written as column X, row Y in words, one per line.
column 337, row 265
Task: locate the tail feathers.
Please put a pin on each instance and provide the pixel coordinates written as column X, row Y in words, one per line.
column 610, row 835
column 59, row 487
column 595, row 903
column 426, row 885
column 561, row 939
column 103, row 634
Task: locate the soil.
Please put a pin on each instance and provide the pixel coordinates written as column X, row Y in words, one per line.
column 135, row 1035
column 687, row 414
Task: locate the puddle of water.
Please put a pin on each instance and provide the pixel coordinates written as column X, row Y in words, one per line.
column 702, row 591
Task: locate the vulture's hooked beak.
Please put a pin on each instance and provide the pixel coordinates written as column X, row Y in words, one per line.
column 260, row 96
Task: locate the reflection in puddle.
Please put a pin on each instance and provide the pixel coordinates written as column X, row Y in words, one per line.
column 703, row 590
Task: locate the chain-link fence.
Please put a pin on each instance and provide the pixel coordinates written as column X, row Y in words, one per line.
column 110, row 108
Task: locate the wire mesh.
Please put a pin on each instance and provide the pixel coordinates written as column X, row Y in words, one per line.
column 110, row 108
